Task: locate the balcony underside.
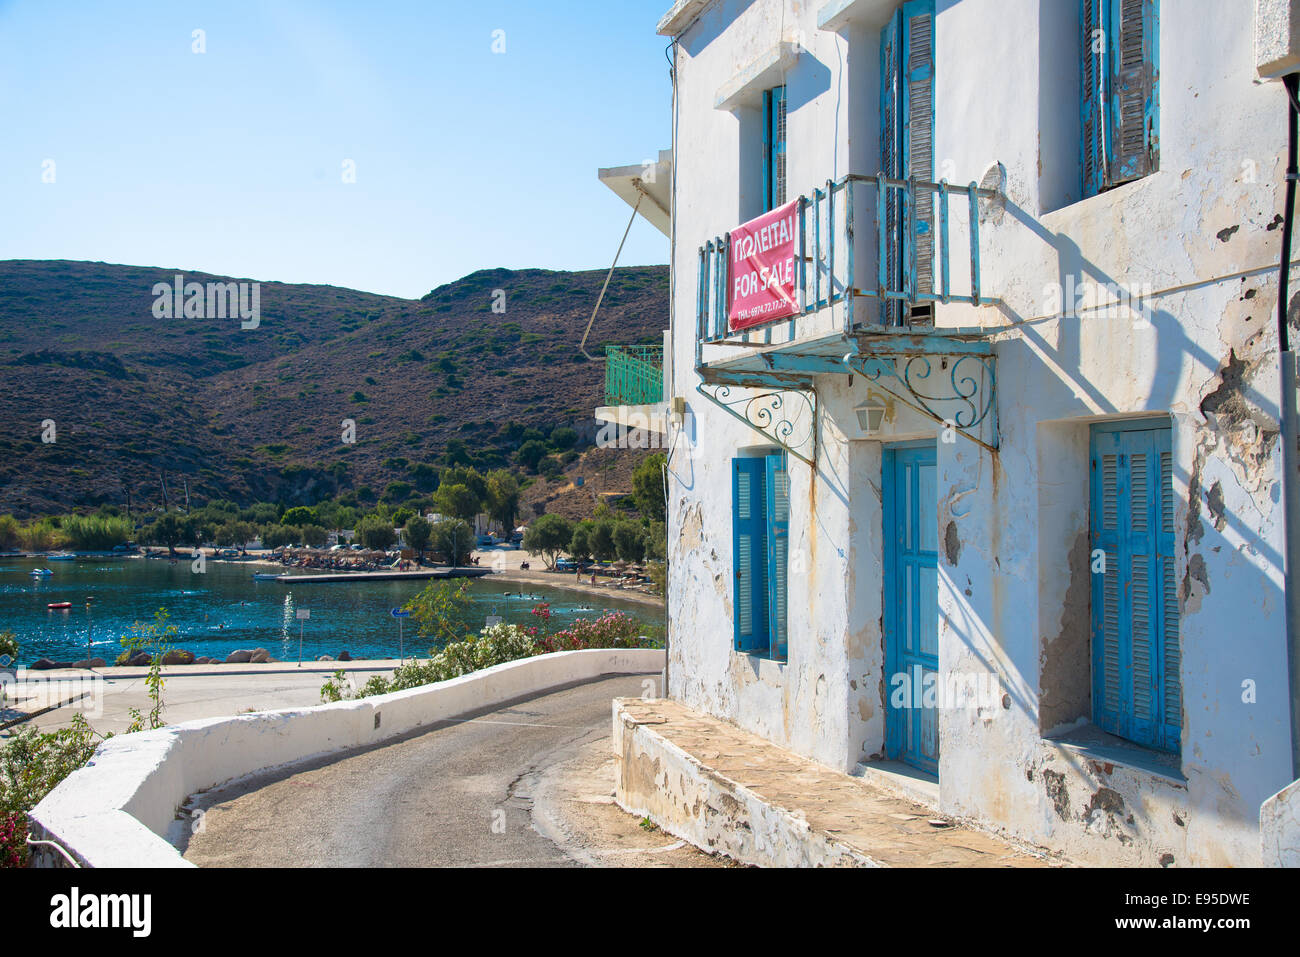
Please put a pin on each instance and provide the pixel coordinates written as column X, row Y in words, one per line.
column 946, row 375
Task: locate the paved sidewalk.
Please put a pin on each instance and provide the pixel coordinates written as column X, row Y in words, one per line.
column 802, row 812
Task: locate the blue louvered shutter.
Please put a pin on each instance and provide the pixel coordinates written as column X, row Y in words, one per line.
column 891, row 159
column 1119, row 92
column 1136, row 683
column 917, row 109
column 1092, row 95
column 1170, row 654
column 774, row 140
column 907, row 148
column 1133, row 108
column 778, row 551
column 749, row 553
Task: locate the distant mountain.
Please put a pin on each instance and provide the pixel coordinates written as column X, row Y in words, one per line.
column 139, row 402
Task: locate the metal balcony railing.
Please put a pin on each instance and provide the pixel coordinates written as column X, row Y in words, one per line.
column 634, row 375
column 908, row 249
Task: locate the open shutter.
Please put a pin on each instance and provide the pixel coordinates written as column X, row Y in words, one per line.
column 778, row 551
column 907, row 150
column 749, row 553
column 1119, row 91
column 1092, row 95
column 1134, row 142
column 917, row 107
column 774, row 147
column 891, row 161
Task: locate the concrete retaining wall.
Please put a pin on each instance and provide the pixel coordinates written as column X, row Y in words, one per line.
column 656, row 779
column 116, row 811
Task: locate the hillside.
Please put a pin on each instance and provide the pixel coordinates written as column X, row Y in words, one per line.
column 247, row 414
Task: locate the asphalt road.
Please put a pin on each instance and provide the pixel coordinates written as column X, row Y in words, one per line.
column 523, row 785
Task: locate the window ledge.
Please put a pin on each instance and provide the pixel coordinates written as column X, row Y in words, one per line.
column 1090, row 742
column 746, row 87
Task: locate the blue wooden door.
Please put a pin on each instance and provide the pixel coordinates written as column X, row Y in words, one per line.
column 911, row 605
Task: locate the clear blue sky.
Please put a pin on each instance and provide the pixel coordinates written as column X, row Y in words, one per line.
column 230, row 161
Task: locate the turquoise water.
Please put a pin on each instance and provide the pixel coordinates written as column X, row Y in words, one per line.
column 224, row 609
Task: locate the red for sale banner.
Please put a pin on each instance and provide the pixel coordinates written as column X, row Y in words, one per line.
column 763, row 268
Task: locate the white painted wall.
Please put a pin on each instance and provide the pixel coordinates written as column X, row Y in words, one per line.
column 1006, row 92
column 116, row 811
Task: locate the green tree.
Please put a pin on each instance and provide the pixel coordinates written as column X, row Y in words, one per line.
column 531, row 453
column 300, row 515
column 563, row 437
column 629, row 541
column 315, row 535
column 440, row 612
column 600, row 539
column 548, row 536
column 648, row 487
column 167, row 530
column 453, row 539
column 503, row 498
column 376, row 532
column 457, row 501
column 417, row 533
column 580, row 544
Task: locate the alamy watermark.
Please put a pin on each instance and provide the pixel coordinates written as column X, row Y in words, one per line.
column 214, row 300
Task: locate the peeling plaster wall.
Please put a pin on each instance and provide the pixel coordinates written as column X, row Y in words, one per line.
column 1009, row 523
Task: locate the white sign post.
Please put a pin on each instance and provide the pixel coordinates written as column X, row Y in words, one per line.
column 303, row 615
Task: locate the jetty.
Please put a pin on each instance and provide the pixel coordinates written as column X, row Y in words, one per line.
column 458, row 572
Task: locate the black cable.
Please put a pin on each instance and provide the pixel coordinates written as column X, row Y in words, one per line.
column 1288, row 222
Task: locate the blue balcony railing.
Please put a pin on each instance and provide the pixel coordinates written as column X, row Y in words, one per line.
column 908, row 251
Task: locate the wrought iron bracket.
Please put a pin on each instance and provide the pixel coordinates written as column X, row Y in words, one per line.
column 957, row 391
column 788, row 417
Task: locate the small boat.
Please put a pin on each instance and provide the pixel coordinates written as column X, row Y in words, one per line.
column 59, row 605
column 265, row 576
column 60, row 557
column 40, row 572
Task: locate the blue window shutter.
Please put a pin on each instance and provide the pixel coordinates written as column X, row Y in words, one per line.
column 774, row 140
column 1132, row 100
column 749, row 553
column 1119, row 91
column 1092, row 97
column 1170, row 656
column 917, row 110
column 1136, row 683
column 778, row 551
column 907, row 148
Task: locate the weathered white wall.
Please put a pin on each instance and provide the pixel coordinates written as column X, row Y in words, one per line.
column 1009, row 566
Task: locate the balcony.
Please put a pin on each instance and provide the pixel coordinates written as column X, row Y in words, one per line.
column 634, row 375
column 880, row 301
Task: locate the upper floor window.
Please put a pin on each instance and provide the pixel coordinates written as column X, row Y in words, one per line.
column 773, row 148
column 1119, row 90
column 907, row 150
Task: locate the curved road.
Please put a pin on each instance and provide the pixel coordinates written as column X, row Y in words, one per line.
column 525, row 784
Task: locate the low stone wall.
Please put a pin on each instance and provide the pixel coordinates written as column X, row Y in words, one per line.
column 116, row 811
column 1279, row 828
column 656, row 779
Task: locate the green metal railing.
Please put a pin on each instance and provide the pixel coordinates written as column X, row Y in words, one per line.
column 634, row 375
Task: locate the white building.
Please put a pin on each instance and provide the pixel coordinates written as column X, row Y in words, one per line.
column 1046, row 474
